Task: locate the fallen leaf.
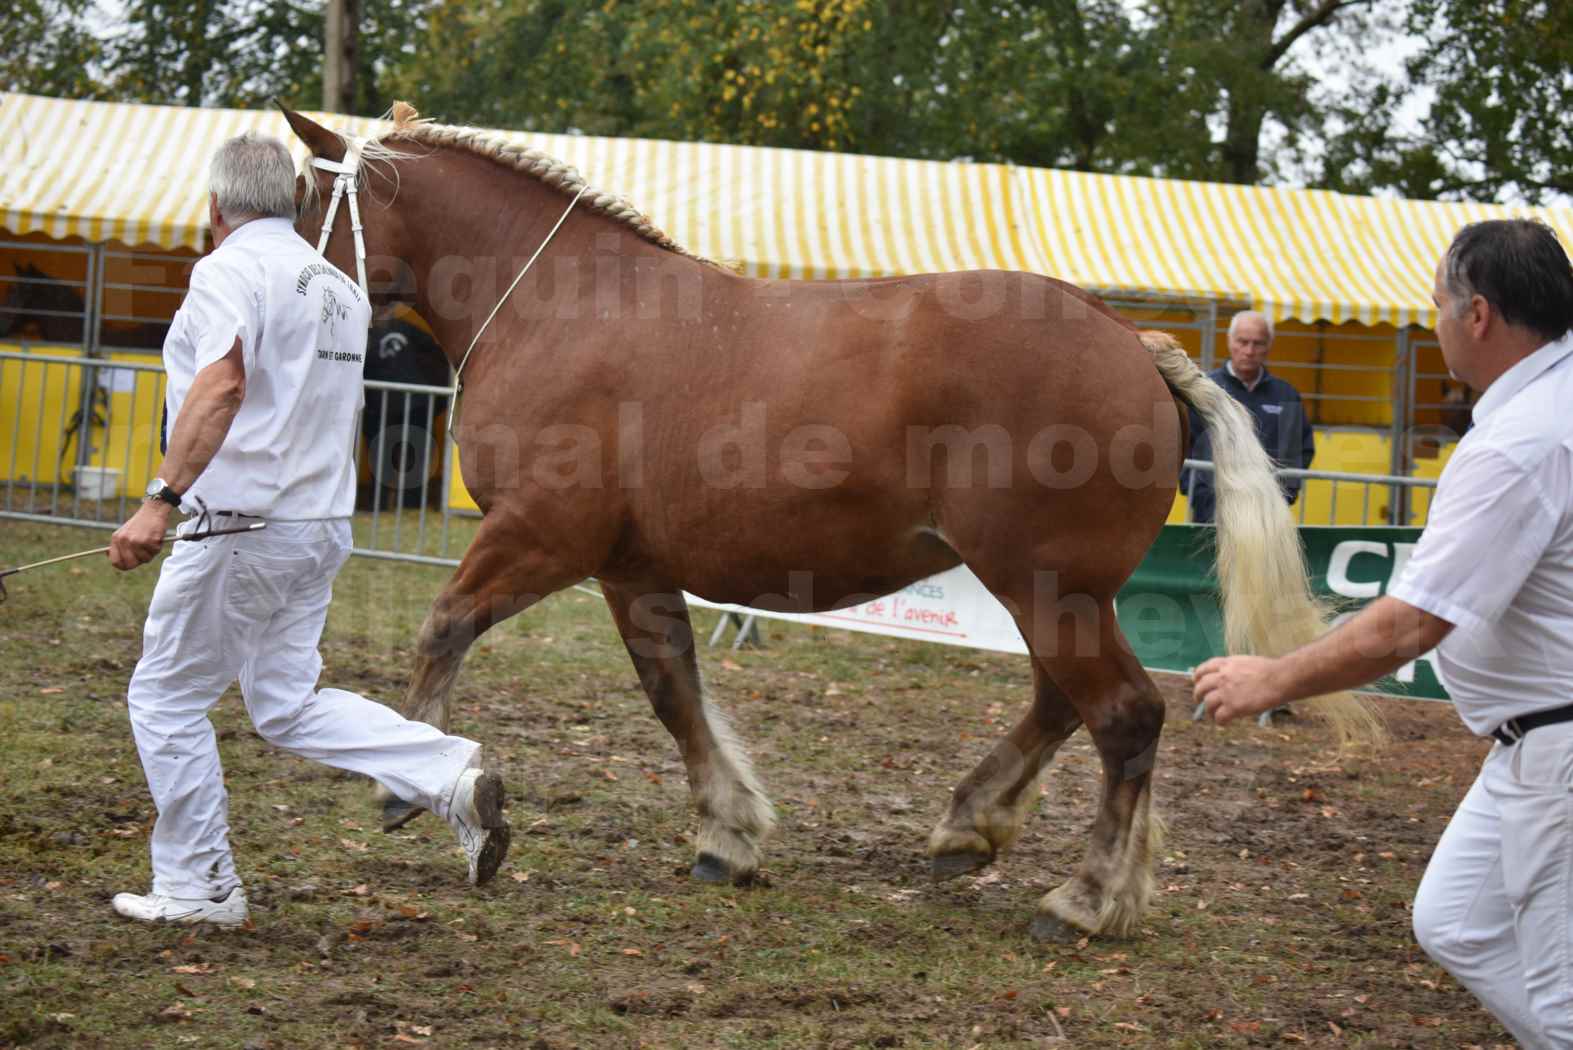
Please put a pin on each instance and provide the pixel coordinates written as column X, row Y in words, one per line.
column 243, row 982
column 520, row 876
column 726, row 664
column 51, row 691
column 195, row 968
column 632, row 951
column 351, row 844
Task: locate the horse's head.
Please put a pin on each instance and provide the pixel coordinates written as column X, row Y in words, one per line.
column 377, row 180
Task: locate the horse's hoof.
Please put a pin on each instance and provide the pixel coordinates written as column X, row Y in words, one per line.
column 1050, row 930
column 949, row 865
column 396, row 813
column 712, row 869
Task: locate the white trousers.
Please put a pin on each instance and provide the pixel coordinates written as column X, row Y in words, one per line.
column 1496, row 905
column 251, row 607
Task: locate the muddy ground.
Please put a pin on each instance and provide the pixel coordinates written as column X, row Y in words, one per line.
column 1282, row 913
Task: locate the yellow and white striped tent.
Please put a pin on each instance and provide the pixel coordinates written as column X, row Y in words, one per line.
column 136, row 174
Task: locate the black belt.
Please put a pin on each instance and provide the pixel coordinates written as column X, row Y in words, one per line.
column 1513, row 730
column 235, row 514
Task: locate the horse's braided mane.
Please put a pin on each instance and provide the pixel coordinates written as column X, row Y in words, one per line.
column 563, row 177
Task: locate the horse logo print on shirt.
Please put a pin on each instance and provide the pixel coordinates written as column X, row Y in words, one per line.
column 333, row 312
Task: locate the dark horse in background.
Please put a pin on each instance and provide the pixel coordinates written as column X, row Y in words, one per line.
column 661, row 423
column 38, row 306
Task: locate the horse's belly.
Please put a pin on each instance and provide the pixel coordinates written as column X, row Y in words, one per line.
column 815, row 580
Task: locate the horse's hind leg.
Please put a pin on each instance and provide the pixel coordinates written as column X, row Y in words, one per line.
column 1083, row 673
column 1124, row 712
column 988, row 807
column 502, row 573
column 734, row 813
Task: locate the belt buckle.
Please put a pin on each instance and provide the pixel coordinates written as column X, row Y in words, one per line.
column 1509, row 732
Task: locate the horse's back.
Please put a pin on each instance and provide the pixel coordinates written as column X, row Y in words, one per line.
column 868, row 433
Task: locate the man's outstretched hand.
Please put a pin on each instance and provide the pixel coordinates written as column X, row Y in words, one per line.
column 1231, row 687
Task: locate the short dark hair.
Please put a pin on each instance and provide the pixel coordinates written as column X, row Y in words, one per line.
column 1519, row 267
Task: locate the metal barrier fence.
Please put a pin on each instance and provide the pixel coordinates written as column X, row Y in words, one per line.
column 1389, row 513
column 80, row 440
column 406, row 500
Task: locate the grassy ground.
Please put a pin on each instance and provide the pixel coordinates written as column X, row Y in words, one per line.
column 1282, row 914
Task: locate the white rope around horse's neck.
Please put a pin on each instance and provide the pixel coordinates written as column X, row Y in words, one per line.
column 458, row 375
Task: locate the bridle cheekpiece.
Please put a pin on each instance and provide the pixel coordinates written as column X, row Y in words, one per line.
column 346, row 174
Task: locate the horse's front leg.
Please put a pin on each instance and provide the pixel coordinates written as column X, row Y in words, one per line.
column 734, row 814
column 502, row 573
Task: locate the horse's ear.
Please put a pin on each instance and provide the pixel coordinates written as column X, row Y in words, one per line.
column 322, row 142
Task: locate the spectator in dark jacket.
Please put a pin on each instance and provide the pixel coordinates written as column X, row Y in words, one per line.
column 1282, row 425
column 403, row 431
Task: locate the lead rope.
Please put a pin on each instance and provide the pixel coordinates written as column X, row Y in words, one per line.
column 458, row 376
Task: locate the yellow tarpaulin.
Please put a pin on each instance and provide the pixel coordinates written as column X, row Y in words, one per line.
column 136, row 174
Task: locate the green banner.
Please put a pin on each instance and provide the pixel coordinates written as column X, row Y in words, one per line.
column 1169, row 609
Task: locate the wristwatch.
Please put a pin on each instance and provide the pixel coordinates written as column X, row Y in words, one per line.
column 158, row 488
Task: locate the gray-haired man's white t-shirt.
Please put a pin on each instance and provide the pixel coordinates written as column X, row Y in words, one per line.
column 302, row 325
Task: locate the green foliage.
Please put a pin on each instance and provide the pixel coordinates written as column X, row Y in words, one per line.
column 1501, row 74
column 1032, row 81
column 207, row 53
column 46, row 48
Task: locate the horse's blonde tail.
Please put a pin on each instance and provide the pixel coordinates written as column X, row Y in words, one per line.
column 1268, row 608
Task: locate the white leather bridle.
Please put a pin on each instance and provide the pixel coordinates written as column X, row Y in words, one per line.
column 346, row 174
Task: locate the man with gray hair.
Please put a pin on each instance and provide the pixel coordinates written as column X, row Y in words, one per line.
column 264, row 388
column 1490, row 587
column 1281, row 422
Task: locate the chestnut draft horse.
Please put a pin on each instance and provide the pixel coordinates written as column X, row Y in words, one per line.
column 640, row 415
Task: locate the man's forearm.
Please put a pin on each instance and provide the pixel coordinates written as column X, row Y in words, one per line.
column 205, row 417
column 1374, row 643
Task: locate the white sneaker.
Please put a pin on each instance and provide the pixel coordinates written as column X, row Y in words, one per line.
column 229, row 910
column 475, row 814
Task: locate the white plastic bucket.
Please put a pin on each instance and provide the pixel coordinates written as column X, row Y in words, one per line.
column 97, row 482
